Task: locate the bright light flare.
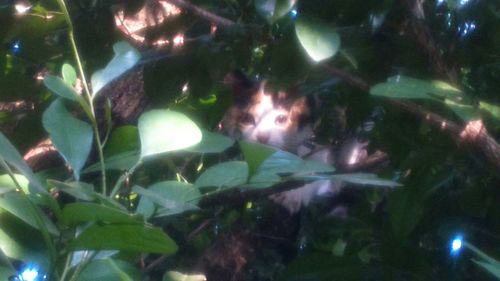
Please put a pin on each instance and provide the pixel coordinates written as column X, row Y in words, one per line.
column 456, row 245
column 22, row 7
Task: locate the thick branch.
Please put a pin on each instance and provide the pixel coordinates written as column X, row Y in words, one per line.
column 218, row 20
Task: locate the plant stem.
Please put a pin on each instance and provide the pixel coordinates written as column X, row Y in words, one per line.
column 123, row 177
column 90, row 98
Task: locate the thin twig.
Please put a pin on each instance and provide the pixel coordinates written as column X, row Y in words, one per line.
column 218, row 20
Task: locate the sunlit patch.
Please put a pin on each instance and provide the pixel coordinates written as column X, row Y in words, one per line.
column 185, row 88
column 466, row 28
column 294, row 13
column 161, row 42
column 456, row 244
column 178, row 40
column 22, row 7
column 213, row 29
column 354, row 156
column 472, row 130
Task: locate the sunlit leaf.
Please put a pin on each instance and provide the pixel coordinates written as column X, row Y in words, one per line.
column 320, row 40
column 60, row 87
column 212, row 143
column 71, row 137
column 68, row 74
column 9, row 154
column 122, row 139
column 494, row 270
column 490, row 108
column 224, row 175
column 133, row 238
column 365, row 179
column 125, row 58
column 167, row 198
column 255, row 154
column 165, row 130
column 403, row 87
column 272, row 10
column 178, row 276
column 76, row 213
column 465, row 112
column 110, row 270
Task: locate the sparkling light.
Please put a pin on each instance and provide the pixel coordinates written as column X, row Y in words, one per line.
column 29, row 274
column 294, row 13
column 22, row 8
column 16, row 47
column 456, row 245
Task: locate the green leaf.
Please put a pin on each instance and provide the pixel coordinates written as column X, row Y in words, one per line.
column 212, row 143
column 78, row 190
column 165, row 130
column 10, row 155
column 178, row 276
column 365, row 179
column 465, row 112
column 69, row 74
column 60, row 87
column 110, row 270
column 490, row 108
column 167, row 198
column 19, row 206
column 224, row 175
column 318, row 39
column 122, row 139
column 483, row 255
column 124, row 59
column 134, row 238
column 121, row 162
column 71, row 137
column 403, row 87
column 255, row 154
column 76, row 213
column 273, row 10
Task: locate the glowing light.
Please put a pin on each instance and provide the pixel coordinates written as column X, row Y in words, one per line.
column 29, row 274
column 16, row 47
column 456, row 244
column 178, row 40
column 294, row 13
column 22, row 7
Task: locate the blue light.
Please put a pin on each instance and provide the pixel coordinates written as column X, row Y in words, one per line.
column 294, row 13
column 29, row 274
column 15, row 47
column 456, row 245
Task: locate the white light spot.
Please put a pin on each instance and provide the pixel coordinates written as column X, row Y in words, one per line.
column 29, row 274
column 178, row 40
column 456, row 244
column 22, row 7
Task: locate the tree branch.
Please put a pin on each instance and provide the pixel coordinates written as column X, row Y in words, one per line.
column 218, row 20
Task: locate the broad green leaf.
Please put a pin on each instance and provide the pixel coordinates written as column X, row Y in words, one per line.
column 76, row 213
column 124, row 59
column 224, row 175
column 318, row 39
column 60, row 87
column 212, row 143
column 403, row 87
column 69, row 74
column 71, row 137
column 133, row 238
column 19, row 206
column 255, row 154
column 10, row 155
column 272, row 10
column 365, row 179
column 110, row 270
column 122, row 139
column 165, row 130
column 120, row 162
column 9, row 185
column 490, row 108
column 167, row 198
column 178, row 276
column 465, row 112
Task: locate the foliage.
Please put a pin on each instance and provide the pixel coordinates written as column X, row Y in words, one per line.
column 156, row 221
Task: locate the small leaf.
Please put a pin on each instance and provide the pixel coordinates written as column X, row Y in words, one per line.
column 255, row 154
column 365, row 179
column 178, row 276
column 169, row 197
column 110, row 270
column 318, row 39
column 134, row 238
column 68, row 74
column 224, row 175
column 491, row 108
column 403, row 87
column 212, row 143
column 76, row 213
column 10, row 155
column 125, row 58
column 60, row 87
column 121, row 162
column 71, row 137
column 122, row 139
column 165, row 130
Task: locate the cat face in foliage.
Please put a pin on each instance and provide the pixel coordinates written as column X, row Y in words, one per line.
column 258, row 115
